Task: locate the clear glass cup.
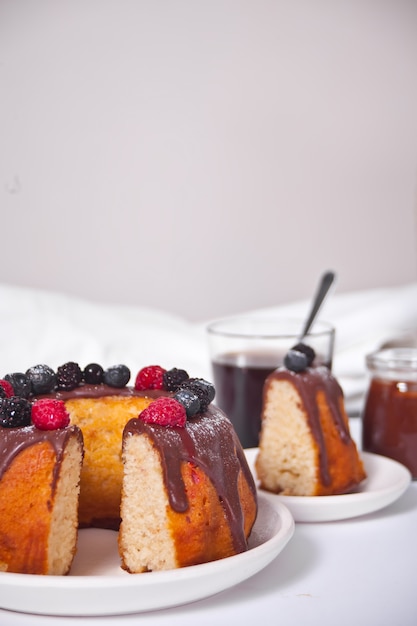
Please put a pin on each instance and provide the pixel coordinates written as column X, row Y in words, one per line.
column 244, row 351
column 389, row 420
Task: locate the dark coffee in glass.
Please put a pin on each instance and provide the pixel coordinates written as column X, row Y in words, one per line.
column 255, row 350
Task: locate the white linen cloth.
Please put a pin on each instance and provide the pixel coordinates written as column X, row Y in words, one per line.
column 38, row 326
column 53, row 328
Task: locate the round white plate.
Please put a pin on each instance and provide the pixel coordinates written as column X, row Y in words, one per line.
column 386, row 481
column 98, row 586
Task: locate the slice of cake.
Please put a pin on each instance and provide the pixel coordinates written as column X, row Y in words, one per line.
column 188, row 494
column 305, row 447
column 40, row 468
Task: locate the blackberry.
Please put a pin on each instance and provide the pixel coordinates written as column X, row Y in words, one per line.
column 15, row 412
column 173, row 379
column 296, row 361
column 68, row 376
column 203, row 389
column 42, row 379
column 117, row 376
column 307, row 350
column 93, row 374
column 3, row 393
column 20, row 383
column 189, row 400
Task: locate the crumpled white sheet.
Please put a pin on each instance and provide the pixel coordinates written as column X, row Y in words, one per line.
column 47, row 327
column 53, row 328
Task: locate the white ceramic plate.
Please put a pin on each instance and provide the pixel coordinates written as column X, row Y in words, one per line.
column 386, row 481
column 98, row 586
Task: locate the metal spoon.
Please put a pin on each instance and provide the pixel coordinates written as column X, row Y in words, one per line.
column 326, row 282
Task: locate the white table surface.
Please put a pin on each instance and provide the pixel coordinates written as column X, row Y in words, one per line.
column 361, row 571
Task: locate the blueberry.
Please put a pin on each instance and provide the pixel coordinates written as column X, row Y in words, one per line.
column 20, row 383
column 296, row 361
column 117, row 376
column 307, row 350
column 93, row 374
column 42, row 378
column 189, row 400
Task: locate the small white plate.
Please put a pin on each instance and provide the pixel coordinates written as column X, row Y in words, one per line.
column 98, row 586
column 386, row 481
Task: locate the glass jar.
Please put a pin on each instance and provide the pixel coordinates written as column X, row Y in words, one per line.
column 389, row 421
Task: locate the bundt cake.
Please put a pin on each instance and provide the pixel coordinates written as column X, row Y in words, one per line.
column 305, row 447
column 157, row 453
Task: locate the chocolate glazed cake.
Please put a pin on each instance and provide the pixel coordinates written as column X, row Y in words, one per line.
column 305, row 445
column 39, row 487
column 78, row 449
column 188, row 494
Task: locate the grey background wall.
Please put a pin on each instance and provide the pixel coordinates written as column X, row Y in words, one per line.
column 206, row 158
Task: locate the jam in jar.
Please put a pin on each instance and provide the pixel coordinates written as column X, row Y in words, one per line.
column 389, row 421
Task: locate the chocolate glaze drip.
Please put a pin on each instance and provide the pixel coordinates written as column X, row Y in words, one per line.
column 308, row 384
column 14, row 440
column 209, row 442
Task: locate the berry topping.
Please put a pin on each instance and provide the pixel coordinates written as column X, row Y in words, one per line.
column 117, row 376
column 42, row 378
column 189, row 400
column 296, row 361
column 20, row 383
column 14, row 412
column 307, row 350
column 49, row 414
column 203, row 389
column 68, row 376
column 173, row 379
column 165, row 412
column 150, row 377
column 93, row 374
column 6, row 388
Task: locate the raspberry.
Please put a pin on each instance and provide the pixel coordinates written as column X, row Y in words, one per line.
column 174, row 378
column 20, row 383
column 117, row 376
column 49, row 414
column 42, row 378
column 203, row 389
column 7, row 387
column 150, row 377
column 93, row 374
column 14, row 412
column 68, row 376
column 165, row 412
